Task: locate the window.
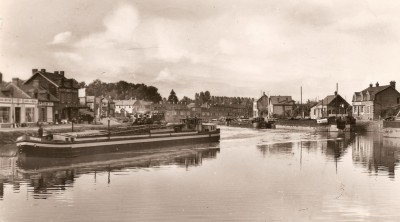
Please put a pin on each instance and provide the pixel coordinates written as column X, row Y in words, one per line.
column 29, row 114
column 354, row 109
column 361, row 109
column 367, row 111
column 4, row 114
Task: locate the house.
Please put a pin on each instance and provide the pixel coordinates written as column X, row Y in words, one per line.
column 375, row 102
column 124, row 107
column 142, row 107
column 46, row 101
column 331, row 105
column 280, row 106
column 261, row 106
column 64, row 89
column 16, row 106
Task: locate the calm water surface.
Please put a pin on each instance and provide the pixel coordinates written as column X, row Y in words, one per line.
column 264, row 175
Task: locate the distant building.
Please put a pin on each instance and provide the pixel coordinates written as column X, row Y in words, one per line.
column 280, row 106
column 16, row 106
column 332, row 105
column 64, row 89
column 374, row 102
column 142, row 107
column 261, row 106
column 124, row 107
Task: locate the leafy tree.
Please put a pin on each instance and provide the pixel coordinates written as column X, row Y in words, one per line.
column 186, row 100
column 82, row 84
column 207, row 96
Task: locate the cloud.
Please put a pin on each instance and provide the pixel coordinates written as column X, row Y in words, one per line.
column 61, row 38
column 120, row 26
column 165, row 75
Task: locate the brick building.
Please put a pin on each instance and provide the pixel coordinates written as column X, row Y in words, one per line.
column 373, row 102
column 64, row 89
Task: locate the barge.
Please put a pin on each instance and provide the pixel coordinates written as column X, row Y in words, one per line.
column 189, row 131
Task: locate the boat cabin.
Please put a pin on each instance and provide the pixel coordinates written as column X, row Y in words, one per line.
column 208, row 127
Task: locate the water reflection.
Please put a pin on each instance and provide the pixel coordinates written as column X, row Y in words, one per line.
column 45, row 176
column 334, row 146
column 377, row 154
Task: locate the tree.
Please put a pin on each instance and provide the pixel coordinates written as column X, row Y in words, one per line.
column 186, row 100
column 82, row 84
column 172, row 98
column 207, row 96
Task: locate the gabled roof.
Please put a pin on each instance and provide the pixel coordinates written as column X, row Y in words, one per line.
column 374, row 90
column 328, row 100
column 281, row 100
column 43, row 94
column 58, row 80
column 262, row 97
column 17, row 91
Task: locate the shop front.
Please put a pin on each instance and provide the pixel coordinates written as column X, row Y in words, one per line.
column 16, row 112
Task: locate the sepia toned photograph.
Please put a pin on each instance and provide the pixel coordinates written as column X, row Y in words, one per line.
column 199, row 110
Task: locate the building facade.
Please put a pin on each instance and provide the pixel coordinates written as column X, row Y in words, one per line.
column 124, row 107
column 64, row 89
column 331, row 105
column 280, row 106
column 17, row 108
column 374, row 102
column 262, row 106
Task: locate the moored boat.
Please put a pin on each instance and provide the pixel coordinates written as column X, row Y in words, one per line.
column 189, row 131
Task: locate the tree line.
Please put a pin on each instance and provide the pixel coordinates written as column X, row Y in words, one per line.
column 122, row 90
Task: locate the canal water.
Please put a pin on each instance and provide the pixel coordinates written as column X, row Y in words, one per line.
column 251, row 175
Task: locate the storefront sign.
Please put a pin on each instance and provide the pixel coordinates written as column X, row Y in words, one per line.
column 18, row 100
column 46, row 104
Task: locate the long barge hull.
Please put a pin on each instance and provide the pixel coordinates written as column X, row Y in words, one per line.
column 88, row 146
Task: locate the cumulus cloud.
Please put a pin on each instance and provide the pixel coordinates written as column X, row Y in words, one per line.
column 165, row 75
column 60, row 38
column 253, row 44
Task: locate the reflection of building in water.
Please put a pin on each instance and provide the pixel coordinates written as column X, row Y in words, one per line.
column 196, row 159
column 276, row 148
column 336, row 147
column 332, row 145
column 7, row 173
column 377, row 153
column 44, row 176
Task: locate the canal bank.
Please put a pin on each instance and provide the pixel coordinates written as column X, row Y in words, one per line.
column 312, row 125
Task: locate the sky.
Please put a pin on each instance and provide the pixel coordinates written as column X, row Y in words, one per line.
column 231, row 48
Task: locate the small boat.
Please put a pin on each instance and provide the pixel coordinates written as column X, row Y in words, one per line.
column 190, row 131
column 261, row 123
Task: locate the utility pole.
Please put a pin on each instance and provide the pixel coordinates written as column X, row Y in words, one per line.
column 301, row 102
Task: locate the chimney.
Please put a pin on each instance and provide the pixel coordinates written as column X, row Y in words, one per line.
column 1, row 77
column 15, row 81
column 56, row 72
column 36, row 83
column 370, row 85
column 34, row 71
column 43, row 70
column 62, row 73
column 335, row 93
column 377, row 84
column 393, row 84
